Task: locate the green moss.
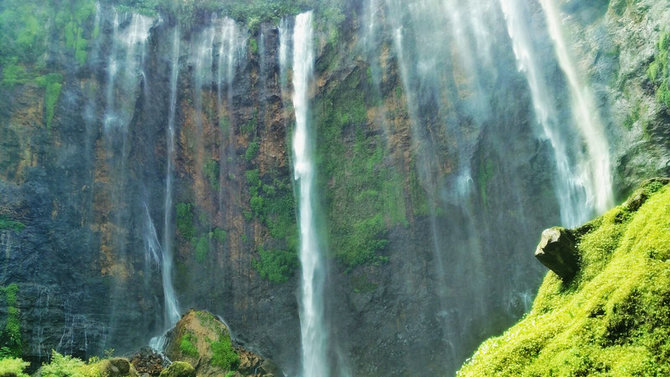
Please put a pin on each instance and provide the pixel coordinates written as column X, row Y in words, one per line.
column 276, row 266
column 202, row 249
column 613, row 319
column 52, row 84
column 364, row 194
column 187, row 347
column 9, row 224
column 223, row 354
column 185, row 225
column 253, row 46
column 658, row 71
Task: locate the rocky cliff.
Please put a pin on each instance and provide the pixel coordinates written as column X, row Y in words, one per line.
column 132, row 141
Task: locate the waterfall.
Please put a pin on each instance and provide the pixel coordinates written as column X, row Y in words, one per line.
column 312, row 327
column 169, row 299
column 595, row 165
column 569, row 188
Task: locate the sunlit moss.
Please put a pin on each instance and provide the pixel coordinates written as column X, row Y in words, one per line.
column 613, row 319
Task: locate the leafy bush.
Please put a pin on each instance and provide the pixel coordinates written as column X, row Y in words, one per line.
column 252, row 151
column 63, row 366
column 276, row 265
column 13, row 367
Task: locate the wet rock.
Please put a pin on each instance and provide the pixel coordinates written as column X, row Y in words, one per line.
column 204, row 341
column 149, row 362
column 557, row 251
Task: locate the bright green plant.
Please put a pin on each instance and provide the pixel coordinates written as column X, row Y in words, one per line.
column 223, row 354
column 13, row 367
column 187, row 347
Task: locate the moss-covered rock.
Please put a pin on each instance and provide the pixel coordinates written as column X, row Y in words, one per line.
column 614, row 318
column 202, row 340
column 179, row 369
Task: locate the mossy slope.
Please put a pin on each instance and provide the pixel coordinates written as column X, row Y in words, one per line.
column 613, row 318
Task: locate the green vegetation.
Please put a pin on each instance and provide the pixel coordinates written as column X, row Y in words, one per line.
column 253, row 46
column 9, row 224
column 10, row 336
column 252, row 151
column 364, row 193
column 13, row 367
column 272, row 204
column 658, row 71
column 185, row 225
column 211, row 171
column 52, row 84
column 223, row 354
column 613, row 318
column 187, row 347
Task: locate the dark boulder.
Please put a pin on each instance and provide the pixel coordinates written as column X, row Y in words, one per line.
column 558, row 252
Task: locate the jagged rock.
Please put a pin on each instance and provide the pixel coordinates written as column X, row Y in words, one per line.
column 148, row 362
column 557, row 251
column 179, row 369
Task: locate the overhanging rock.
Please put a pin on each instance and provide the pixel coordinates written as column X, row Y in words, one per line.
column 558, row 252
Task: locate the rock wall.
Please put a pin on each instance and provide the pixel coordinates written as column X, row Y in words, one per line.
column 418, row 275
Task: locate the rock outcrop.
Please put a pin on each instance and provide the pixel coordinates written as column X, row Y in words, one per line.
column 558, row 252
column 203, row 341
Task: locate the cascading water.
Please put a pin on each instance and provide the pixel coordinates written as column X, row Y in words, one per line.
column 312, row 326
column 569, row 187
column 171, row 306
column 595, row 165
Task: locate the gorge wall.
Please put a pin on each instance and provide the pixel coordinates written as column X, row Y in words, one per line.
column 145, row 168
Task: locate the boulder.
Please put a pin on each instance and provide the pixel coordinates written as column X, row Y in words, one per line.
column 558, row 252
column 178, row 369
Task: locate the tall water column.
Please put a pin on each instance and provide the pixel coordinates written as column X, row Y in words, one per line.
column 312, row 326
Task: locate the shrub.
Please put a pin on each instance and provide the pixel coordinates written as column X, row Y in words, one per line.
column 13, row 367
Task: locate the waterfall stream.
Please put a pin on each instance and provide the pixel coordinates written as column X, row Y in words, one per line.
column 595, row 164
column 312, row 327
column 169, row 298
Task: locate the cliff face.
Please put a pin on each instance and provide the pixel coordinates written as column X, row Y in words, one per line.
column 129, row 141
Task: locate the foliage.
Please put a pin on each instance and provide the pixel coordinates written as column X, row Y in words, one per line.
column 272, row 204
column 211, row 171
column 52, row 84
column 13, row 367
column 658, row 71
column 10, row 337
column 185, row 225
column 9, row 224
column 223, row 354
column 364, row 194
column 252, row 151
column 275, row 265
column 202, row 249
column 613, row 318
column 64, row 366
column 187, row 347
